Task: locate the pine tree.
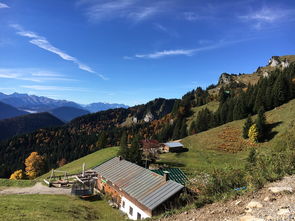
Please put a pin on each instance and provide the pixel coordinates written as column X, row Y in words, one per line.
column 223, row 95
column 102, row 141
column 183, row 129
column 268, row 99
column 192, row 128
column 248, row 123
column 259, row 102
column 135, row 153
column 280, row 91
column 123, row 151
column 239, row 110
column 252, row 156
column 176, row 130
column 261, row 124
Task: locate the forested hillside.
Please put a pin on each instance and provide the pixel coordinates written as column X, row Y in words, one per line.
column 160, row 119
column 27, row 123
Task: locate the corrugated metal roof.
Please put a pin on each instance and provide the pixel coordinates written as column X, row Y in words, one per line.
column 147, row 187
column 175, row 174
column 173, row 144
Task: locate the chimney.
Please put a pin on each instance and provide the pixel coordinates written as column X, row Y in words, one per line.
column 120, row 158
column 166, row 175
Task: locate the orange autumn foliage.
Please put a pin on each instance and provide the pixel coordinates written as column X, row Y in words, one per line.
column 34, row 165
column 17, row 175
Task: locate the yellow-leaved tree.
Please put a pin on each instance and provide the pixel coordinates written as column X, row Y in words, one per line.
column 253, row 133
column 17, row 175
column 34, row 165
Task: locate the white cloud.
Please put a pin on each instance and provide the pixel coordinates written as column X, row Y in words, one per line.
column 33, row 75
column 185, row 52
column 2, row 5
column 43, row 43
column 135, row 10
column 267, row 15
column 191, row 16
column 165, row 53
column 52, row 88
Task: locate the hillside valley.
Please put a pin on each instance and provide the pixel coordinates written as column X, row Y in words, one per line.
column 160, row 119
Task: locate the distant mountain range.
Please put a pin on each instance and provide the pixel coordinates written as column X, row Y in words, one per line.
column 95, row 107
column 23, row 113
column 66, row 114
column 33, row 103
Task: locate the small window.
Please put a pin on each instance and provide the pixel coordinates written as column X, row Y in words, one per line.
column 138, row 216
column 123, row 204
column 130, row 211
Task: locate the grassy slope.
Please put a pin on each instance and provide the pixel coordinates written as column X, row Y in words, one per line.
column 212, row 106
column 16, row 183
column 90, row 161
column 224, row 146
column 55, row 207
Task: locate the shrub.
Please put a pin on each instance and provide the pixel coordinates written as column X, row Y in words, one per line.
column 17, row 175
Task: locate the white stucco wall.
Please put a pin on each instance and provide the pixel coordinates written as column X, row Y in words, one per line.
column 135, row 210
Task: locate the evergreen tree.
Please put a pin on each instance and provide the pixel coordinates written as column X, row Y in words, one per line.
column 183, row 129
column 223, row 95
column 102, row 141
column 247, row 125
column 123, row 151
column 280, row 91
column 239, row 111
column 135, row 152
column 268, row 99
column 261, row 124
column 192, row 128
column 252, row 156
column 176, row 130
column 259, row 101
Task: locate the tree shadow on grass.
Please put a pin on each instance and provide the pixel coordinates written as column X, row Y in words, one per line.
column 92, row 198
column 269, row 133
column 170, row 164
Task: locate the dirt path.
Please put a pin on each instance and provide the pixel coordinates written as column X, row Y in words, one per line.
column 38, row 188
column 274, row 202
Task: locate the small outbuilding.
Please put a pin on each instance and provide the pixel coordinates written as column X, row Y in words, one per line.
column 173, row 147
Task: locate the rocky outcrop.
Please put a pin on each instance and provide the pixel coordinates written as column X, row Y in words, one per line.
column 278, row 62
column 148, row 117
column 225, row 79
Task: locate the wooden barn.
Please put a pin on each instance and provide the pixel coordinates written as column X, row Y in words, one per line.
column 173, row 147
column 137, row 191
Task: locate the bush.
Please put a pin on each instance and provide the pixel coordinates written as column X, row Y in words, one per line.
column 202, row 201
column 17, row 175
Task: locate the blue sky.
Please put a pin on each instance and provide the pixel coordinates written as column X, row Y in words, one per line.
column 132, row 51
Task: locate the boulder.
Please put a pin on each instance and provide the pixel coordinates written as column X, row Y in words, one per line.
column 250, row 218
column 281, row 189
column 254, row 204
column 283, row 212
